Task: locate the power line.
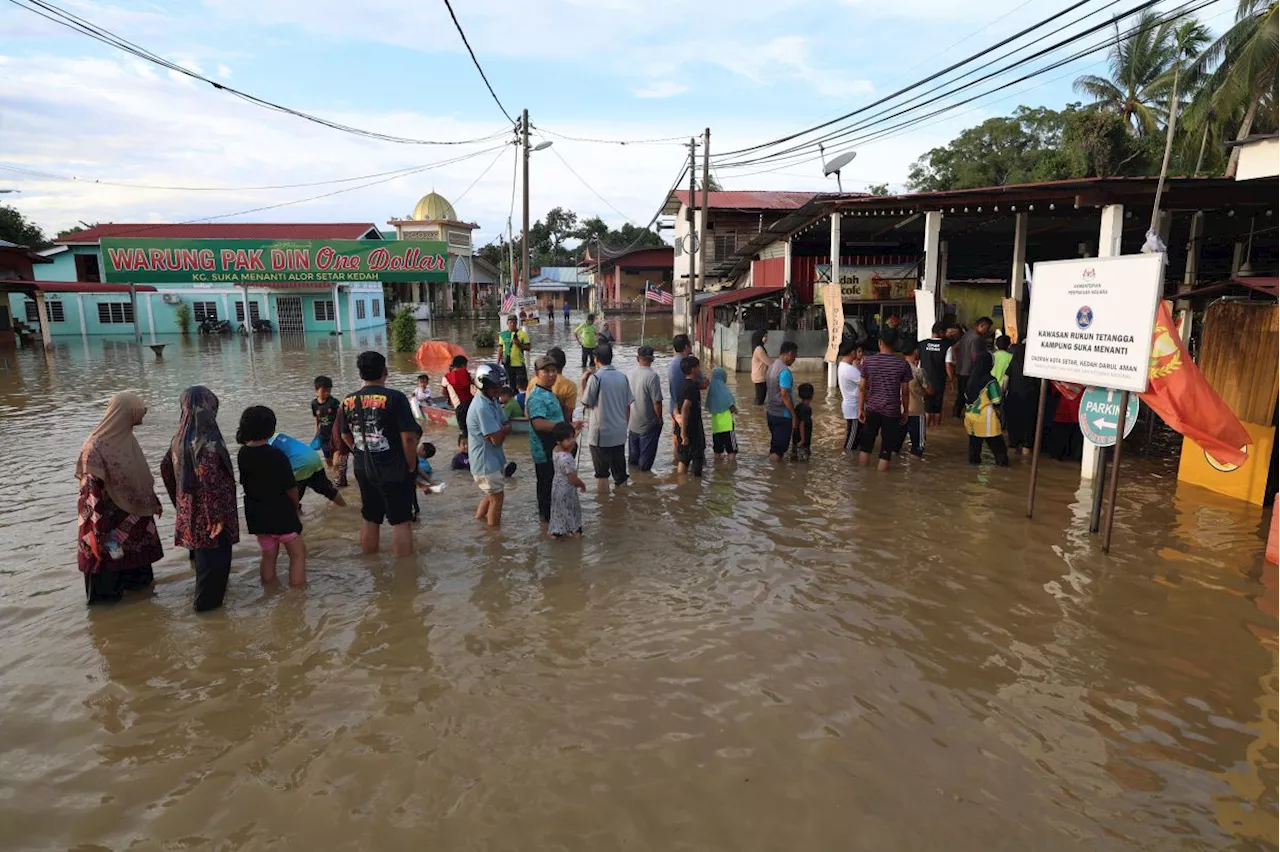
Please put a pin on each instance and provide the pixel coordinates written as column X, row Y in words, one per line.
column 67, row 19
column 667, row 140
column 800, row 153
column 479, row 177
column 125, row 185
column 476, row 62
column 428, row 167
column 909, row 87
column 592, row 189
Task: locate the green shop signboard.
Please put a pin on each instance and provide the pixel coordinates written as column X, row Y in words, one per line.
column 161, row 261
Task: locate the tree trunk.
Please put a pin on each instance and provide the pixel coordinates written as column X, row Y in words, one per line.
column 1204, row 138
column 1246, row 126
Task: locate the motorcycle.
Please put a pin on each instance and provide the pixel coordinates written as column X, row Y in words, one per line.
column 258, row 325
column 215, row 326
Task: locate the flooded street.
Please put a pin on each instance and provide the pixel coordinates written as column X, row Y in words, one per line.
column 808, row 657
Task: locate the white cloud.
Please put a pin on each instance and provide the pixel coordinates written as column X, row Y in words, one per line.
column 660, row 89
column 785, row 58
column 224, row 71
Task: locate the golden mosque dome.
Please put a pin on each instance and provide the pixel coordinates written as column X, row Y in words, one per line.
column 433, row 206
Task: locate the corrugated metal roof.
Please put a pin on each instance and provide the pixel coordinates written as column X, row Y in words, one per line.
column 561, row 275
column 743, row 199
column 728, row 297
column 225, row 231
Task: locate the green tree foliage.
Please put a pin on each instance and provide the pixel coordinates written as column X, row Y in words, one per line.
column 559, row 239
column 66, row 232
column 1139, row 85
column 878, row 189
column 17, row 228
column 404, row 331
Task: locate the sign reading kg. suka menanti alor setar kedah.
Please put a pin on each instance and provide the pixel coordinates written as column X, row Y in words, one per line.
column 1091, row 320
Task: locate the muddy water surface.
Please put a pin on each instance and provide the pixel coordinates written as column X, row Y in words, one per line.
column 805, row 657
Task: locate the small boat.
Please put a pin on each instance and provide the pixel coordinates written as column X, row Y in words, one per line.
column 436, row 414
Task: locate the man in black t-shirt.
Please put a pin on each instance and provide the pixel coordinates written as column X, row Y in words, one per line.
column 933, row 360
column 379, row 427
column 693, row 436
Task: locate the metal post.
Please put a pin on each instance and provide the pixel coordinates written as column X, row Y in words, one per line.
column 133, row 309
column 1114, row 484
column 706, row 209
column 1035, row 447
column 1099, row 474
column 695, row 248
column 834, row 251
column 524, row 238
column 248, row 320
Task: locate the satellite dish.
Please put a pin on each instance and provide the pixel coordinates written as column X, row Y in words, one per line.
column 834, row 166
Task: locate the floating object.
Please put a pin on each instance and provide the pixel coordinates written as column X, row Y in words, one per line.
column 157, row 348
column 435, row 356
column 436, row 414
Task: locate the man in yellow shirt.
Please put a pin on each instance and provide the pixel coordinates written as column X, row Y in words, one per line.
column 586, row 335
column 512, row 344
column 566, row 390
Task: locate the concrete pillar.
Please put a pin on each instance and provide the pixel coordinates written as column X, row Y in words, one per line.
column 1195, row 241
column 42, row 310
column 835, row 279
column 151, row 315
column 1108, row 246
column 932, row 250
column 244, row 297
column 1018, row 272
column 337, row 311
column 84, row 326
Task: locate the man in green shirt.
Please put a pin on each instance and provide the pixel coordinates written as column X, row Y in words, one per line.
column 586, row 335
column 513, row 342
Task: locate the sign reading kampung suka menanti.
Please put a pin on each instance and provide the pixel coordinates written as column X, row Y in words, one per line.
column 234, row 262
column 1091, row 320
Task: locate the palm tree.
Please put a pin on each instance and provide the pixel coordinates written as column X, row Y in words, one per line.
column 1139, row 83
column 1244, row 67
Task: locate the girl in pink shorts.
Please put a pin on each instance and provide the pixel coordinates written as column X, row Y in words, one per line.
column 270, row 496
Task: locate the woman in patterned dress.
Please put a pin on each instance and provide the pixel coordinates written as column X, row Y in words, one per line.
column 198, row 475
column 116, row 539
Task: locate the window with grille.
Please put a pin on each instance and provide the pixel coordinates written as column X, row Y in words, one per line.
column 255, row 313
column 204, row 310
column 324, row 310
column 359, row 308
column 377, row 307
column 115, row 313
column 54, row 308
column 726, row 246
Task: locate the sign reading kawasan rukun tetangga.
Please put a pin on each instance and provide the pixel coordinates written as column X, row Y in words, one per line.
column 161, row 261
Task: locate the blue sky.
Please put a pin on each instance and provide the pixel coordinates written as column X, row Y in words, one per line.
column 605, row 69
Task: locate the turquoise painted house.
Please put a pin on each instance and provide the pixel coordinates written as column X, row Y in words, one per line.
column 310, row 307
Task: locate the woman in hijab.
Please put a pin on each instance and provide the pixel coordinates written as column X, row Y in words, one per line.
column 117, row 540
column 722, row 406
column 197, row 473
column 1020, row 400
column 760, row 364
column 982, row 412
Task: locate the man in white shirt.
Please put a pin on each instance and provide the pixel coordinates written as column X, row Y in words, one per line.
column 849, row 377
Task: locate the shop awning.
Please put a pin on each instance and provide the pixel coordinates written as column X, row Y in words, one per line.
column 744, row 294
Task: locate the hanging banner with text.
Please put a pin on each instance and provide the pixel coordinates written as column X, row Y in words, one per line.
column 890, row 283
column 1091, row 320
column 161, row 261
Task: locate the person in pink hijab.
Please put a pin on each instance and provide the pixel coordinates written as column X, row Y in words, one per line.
column 117, row 540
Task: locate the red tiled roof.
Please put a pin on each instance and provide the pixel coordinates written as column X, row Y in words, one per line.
column 224, row 231
column 73, row 287
column 751, row 199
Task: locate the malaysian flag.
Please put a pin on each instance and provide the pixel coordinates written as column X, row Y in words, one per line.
column 509, row 303
column 657, row 294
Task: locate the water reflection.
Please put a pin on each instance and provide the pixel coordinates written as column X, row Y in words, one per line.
column 773, row 657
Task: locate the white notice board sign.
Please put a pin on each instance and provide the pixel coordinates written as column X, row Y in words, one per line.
column 1091, row 320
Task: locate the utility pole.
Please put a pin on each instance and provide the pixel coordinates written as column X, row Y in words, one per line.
column 524, row 238
column 694, row 248
column 511, row 261
column 706, row 210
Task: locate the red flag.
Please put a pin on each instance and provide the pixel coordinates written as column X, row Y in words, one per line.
column 1184, row 399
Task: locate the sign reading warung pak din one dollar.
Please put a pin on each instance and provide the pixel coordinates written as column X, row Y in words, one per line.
column 1091, row 320
column 236, row 262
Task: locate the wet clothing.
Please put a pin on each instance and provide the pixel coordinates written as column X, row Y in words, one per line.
column 646, row 390
column 610, row 461
column 802, row 437
column 486, row 417
column 885, row 375
column 780, row 430
column 376, row 417
column 100, row 521
column 642, row 448
column 888, row 429
column 675, row 384
column 325, row 414
column 542, row 405
column 213, row 570
column 212, row 501
column 565, row 515
column 304, row 461
column 608, row 395
column 724, row 442
column 693, row 440
column 267, row 477
column 112, row 454
column 849, row 378
column 778, row 379
column 933, row 360
column 982, row 420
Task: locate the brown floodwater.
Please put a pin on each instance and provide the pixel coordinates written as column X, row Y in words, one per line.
column 811, row 656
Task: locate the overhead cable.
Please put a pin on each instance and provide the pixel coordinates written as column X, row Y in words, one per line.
column 476, row 62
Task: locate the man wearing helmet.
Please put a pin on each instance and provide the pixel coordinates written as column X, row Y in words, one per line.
column 487, row 429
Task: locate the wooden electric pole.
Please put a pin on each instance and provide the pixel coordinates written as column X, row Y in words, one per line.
column 693, row 248
column 524, row 231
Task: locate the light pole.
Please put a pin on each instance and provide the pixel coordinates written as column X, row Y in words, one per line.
column 524, row 231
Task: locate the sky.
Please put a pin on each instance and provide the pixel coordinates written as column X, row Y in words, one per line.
column 751, row 70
